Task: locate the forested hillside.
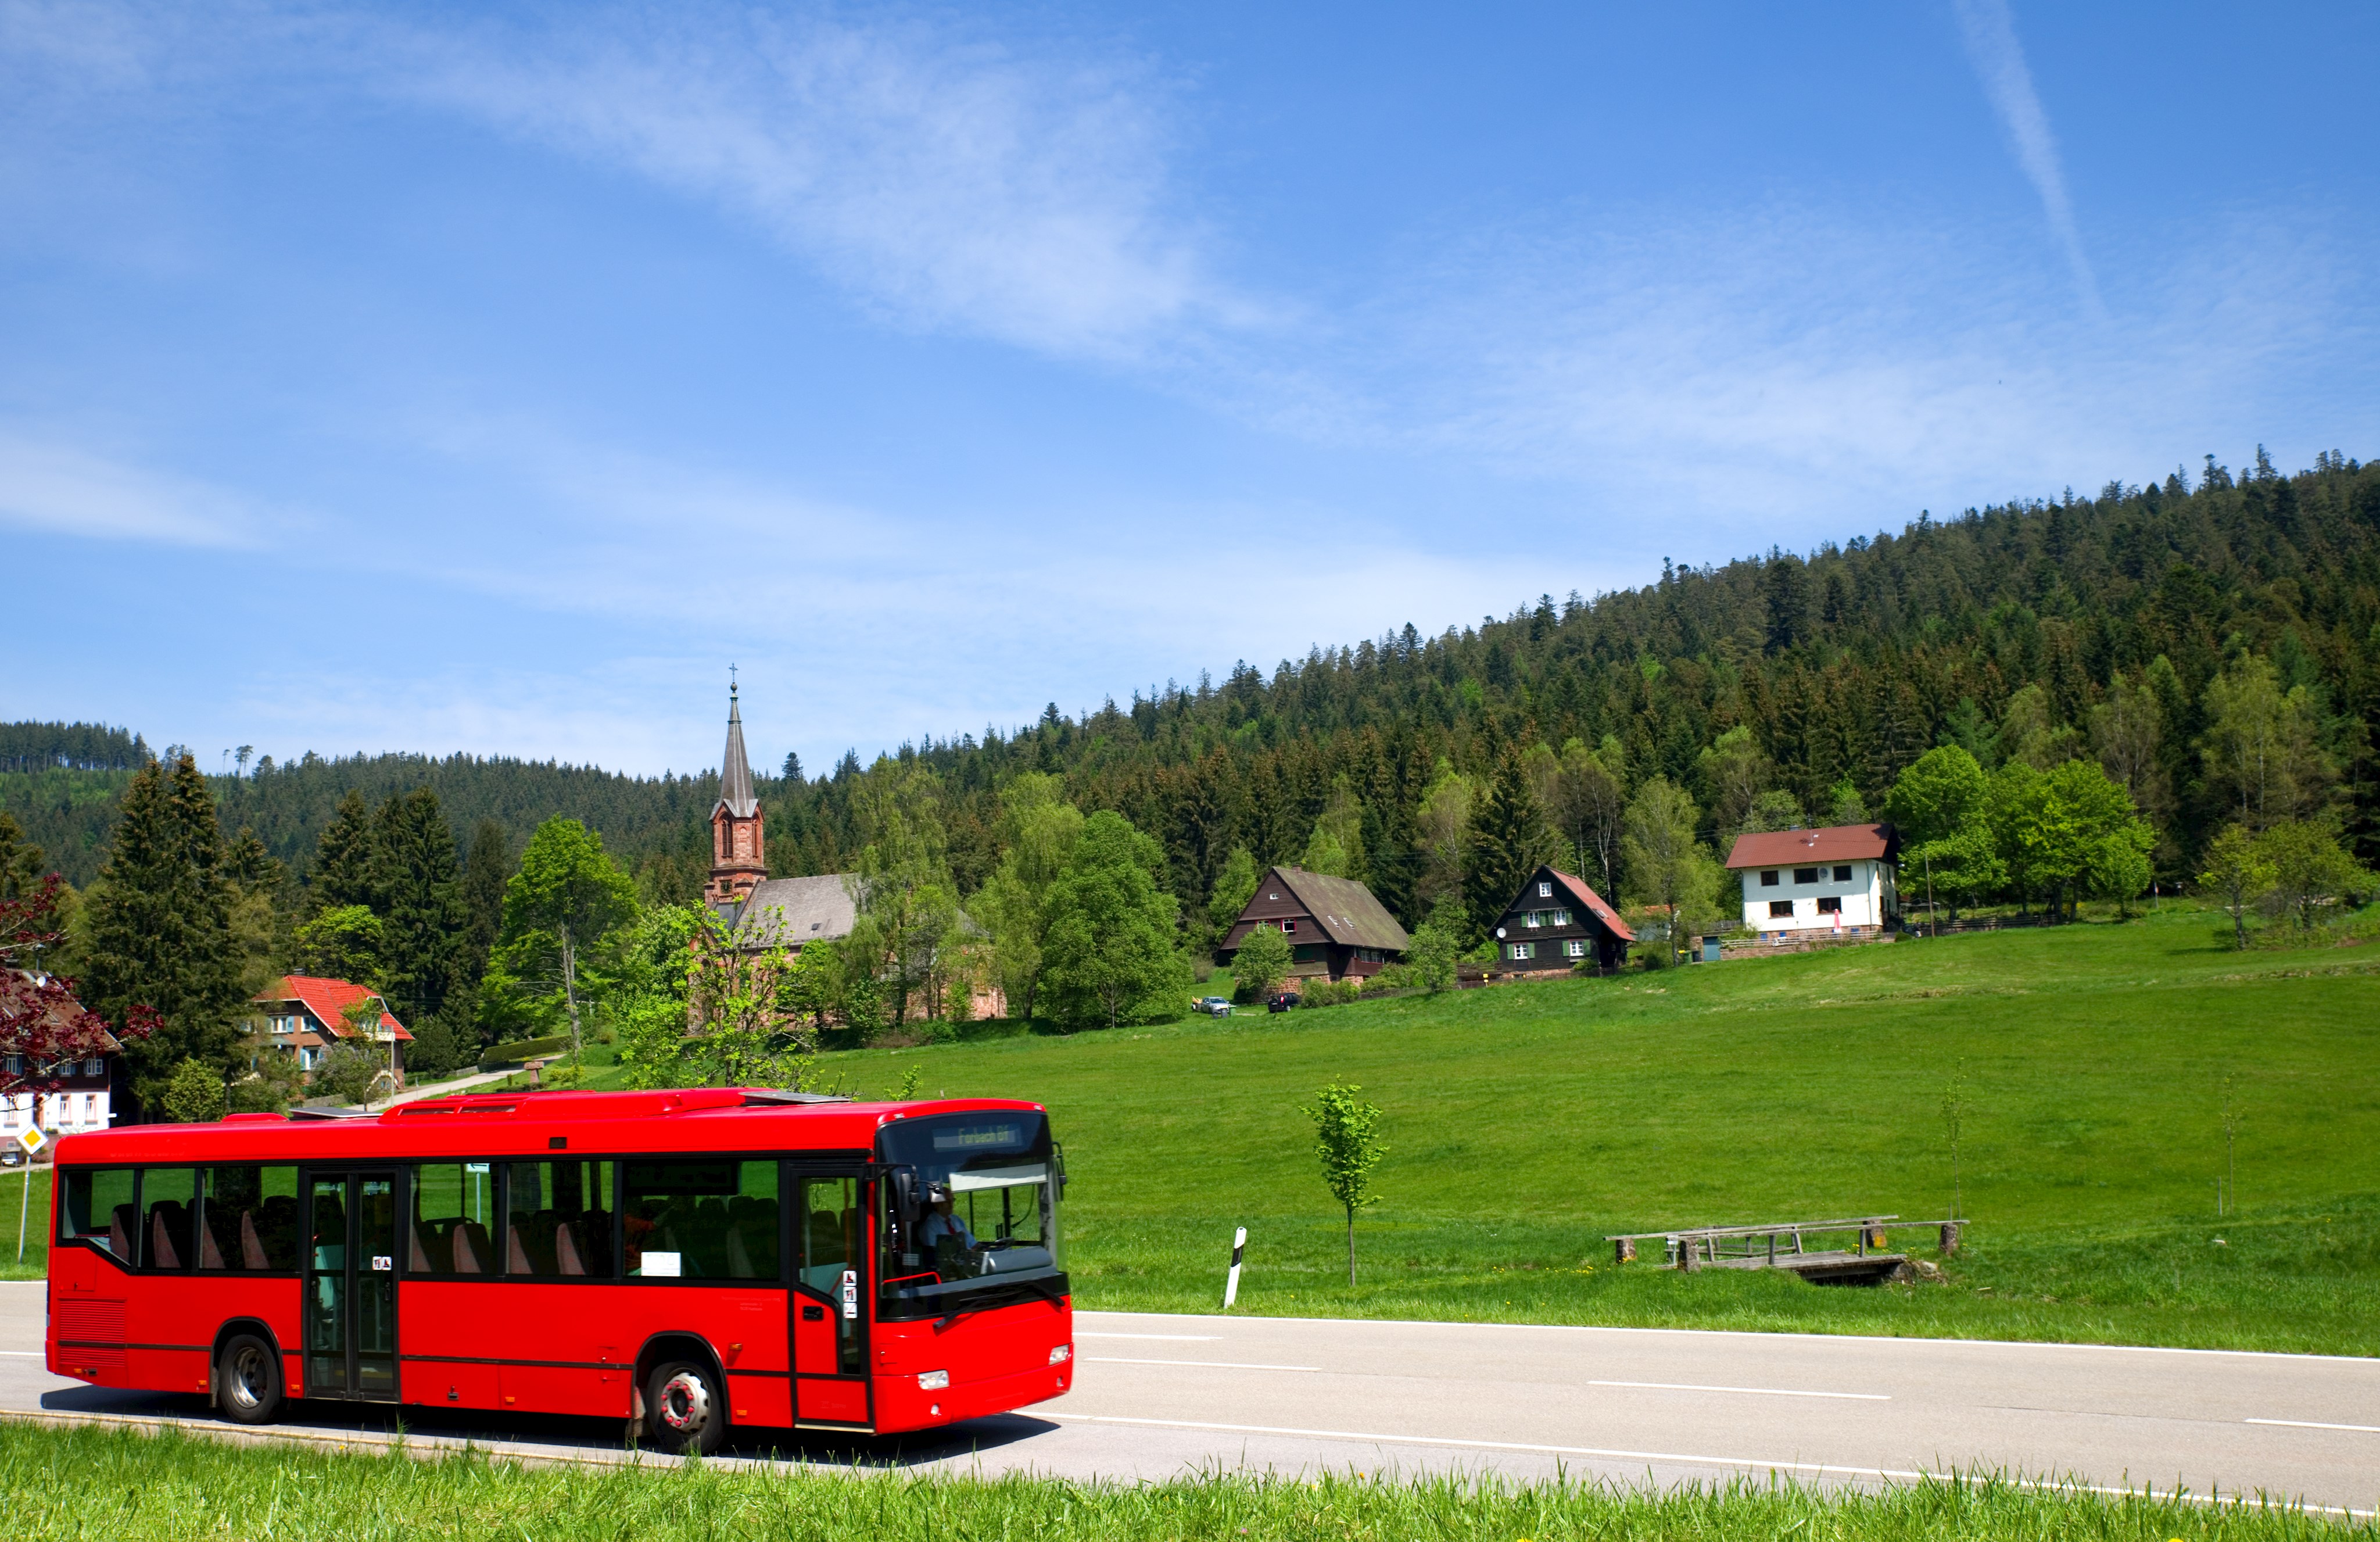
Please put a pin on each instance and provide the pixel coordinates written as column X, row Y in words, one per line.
column 2215, row 642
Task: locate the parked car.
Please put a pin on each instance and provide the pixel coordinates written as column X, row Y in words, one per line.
column 1283, row 1001
column 1214, row 1006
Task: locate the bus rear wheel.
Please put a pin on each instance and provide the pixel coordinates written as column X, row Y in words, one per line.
column 685, row 1407
column 247, row 1380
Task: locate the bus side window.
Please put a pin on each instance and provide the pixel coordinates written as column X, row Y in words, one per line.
column 558, row 1220
column 98, row 1208
column 247, row 1218
column 714, row 1219
column 453, row 1205
column 167, row 1233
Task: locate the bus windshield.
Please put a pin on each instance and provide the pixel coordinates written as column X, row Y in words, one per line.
column 983, row 1207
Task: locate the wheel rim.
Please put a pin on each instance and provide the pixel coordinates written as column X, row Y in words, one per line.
column 250, row 1378
column 686, row 1404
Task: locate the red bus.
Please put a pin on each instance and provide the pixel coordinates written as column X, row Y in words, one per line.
column 691, row 1260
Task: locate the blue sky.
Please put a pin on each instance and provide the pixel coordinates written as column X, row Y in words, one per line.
column 470, row 378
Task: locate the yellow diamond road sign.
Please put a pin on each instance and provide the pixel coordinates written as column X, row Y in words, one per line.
column 31, row 1139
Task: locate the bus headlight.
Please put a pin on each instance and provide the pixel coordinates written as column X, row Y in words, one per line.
column 1063, row 1353
column 932, row 1381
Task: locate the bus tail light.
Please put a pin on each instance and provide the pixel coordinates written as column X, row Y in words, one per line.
column 932, row 1381
column 1063, row 1353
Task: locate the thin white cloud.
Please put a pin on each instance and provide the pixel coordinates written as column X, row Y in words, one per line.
column 1763, row 375
column 959, row 184
column 1989, row 32
column 51, row 485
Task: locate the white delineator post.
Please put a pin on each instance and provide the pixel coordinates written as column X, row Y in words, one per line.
column 1232, row 1281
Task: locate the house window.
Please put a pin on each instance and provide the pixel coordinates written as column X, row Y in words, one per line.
column 1574, row 948
column 1288, row 926
column 1544, row 891
column 1831, row 905
column 90, row 1107
column 1780, row 909
column 1805, row 875
column 1842, row 873
column 95, row 1067
column 1769, row 879
column 1524, row 949
column 1272, row 896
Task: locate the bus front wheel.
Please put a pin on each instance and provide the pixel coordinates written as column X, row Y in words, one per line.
column 247, row 1380
column 685, row 1407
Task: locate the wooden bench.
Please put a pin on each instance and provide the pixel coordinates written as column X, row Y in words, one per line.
column 1784, row 1245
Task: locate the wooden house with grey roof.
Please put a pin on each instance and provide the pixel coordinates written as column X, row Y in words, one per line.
column 1335, row 926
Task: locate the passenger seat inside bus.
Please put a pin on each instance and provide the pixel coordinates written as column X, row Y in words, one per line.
column 169, row 1225
column 123, row 1225
column 474, row 1252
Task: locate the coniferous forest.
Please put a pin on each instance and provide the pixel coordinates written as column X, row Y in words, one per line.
column 2207, row 646
column 2011, row 630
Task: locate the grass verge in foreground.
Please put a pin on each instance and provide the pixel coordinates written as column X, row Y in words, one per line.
column 124, row 1487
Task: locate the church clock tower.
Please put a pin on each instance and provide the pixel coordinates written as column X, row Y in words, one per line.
column 738, row 859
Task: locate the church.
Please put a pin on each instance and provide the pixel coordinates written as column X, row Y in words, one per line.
column 792, row 912
column 761, row 912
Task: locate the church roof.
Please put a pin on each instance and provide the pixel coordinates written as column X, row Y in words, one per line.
column 791, row 911
column 736, row 771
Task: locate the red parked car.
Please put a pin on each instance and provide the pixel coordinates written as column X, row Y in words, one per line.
column 698, row 1259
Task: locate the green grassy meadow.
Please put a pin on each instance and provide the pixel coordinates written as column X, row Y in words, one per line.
column 1528, row 1120
column 124, row 1487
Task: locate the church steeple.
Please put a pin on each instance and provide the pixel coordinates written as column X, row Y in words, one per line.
column 738, row 849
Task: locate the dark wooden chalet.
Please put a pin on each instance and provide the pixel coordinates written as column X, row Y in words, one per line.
column 1558, row 922
column 1335, row 926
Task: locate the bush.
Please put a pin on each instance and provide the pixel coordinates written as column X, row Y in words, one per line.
column 1260, row 965
column 508, row 1057
column 353, row 1071
column 1327, row 993
column 195, row 1093
column 440, row 1046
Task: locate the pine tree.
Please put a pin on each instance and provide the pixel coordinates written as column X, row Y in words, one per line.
column 1507, row 841
column 343, row 859
column 485, row 873
column 160, row 928
column 21, row 862
column 422, row 914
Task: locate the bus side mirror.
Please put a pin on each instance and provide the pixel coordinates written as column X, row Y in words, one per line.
column 908, row 1197
column 1058, row 1166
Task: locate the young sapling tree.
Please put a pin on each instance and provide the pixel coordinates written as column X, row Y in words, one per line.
column 1346, row 1131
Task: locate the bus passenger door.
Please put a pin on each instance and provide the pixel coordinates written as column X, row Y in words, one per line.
column 351, row 1285
column 830, row 1326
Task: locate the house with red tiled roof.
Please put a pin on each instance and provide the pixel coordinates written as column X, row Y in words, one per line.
column 304, row 1014
column 1839, row 881
column 1558, row 922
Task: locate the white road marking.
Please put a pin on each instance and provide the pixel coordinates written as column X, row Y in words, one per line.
column 22, row 1354
column 1168, row 1338
column 1762, row 1391
column 2309, row 1424
column 2046, row 1484
column 1212, row 1365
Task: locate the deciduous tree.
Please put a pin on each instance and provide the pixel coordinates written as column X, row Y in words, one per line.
column 1346, row 1137
column 1112, row 951
column 566, row 897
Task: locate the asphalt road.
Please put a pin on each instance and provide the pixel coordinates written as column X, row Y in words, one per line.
column 1160, row 1396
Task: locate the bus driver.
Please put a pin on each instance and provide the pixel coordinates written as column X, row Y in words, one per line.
column 942, row 1226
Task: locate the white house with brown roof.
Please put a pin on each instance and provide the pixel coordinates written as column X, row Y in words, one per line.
column 1799, row 884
